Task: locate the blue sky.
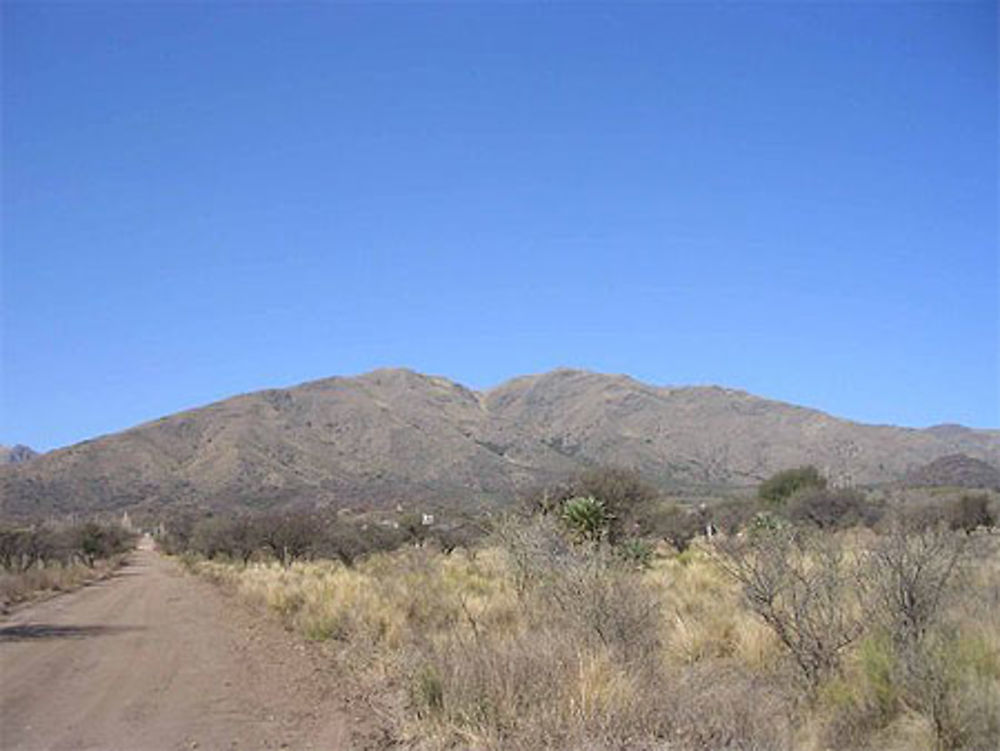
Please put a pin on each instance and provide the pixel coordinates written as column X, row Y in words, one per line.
column 796, row 199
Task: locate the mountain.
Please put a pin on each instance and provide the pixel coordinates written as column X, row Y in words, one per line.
column 16, row 454
column 398, row 436
column 957, row 471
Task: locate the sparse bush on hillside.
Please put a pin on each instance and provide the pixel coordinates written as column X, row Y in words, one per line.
column 781, row 486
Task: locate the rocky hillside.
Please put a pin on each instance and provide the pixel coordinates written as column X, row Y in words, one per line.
column 397, row 436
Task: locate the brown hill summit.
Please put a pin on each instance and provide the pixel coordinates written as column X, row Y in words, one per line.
column 395, row 435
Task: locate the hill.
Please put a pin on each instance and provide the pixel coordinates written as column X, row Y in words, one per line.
column 398, row 436
column 957, row 471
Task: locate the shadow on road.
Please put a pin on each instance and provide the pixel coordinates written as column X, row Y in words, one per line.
column 33, row 631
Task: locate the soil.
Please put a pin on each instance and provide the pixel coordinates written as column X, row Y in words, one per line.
column 153, row 658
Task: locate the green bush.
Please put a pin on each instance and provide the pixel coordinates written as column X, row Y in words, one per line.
column 779, row 487
column 638, row 553
column 586, row 518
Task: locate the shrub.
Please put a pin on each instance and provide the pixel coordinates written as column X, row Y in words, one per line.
column 638, row 553
column 781, row 486
column 626, row 497
column 971, row 511
column 730, row 516
column 832, row 509
column 907, row 577
column 800, row 585
column 676, row 525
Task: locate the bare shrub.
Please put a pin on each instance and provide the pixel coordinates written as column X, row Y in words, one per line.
column 832, row 509
column 533, row 548
column 676, row 525
column 801, row 586
column 598, row 598
column 971, row 511
column 907, row 576
column 717, row 705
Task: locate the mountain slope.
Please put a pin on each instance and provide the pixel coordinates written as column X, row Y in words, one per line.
column 397, row 436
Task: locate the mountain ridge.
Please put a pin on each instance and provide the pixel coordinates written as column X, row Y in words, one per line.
column 396, row 435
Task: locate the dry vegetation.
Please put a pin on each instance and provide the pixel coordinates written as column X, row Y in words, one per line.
column 787, row 636
column 35, row 559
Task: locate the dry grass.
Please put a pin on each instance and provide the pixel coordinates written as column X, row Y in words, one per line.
column 39, row 581
column 543, row 647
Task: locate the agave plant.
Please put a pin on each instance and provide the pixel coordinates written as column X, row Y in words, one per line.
column 586, row 517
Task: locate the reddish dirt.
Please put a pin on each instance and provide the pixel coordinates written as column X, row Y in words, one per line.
column 155, row 659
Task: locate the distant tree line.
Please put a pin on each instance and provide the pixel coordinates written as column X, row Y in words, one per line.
column 39, row 545
column 292, row 535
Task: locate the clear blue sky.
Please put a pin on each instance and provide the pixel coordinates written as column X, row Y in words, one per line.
column 796, row 199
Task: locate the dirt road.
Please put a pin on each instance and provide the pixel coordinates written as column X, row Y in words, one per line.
column 155, row 659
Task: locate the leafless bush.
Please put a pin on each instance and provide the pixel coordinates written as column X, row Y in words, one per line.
column 970, row 511
column 907, row 576
column 801, row 585
column 916, row 577
column 533, row 548
column 717, row 705
column 599, row 598
column 832, row 509
column 676, row 525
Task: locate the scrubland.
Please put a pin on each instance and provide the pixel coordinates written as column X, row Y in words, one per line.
column 779, row 637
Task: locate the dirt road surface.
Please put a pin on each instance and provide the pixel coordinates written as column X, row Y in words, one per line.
column 155, row 659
